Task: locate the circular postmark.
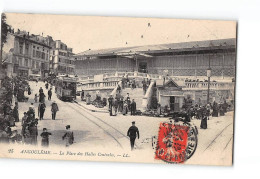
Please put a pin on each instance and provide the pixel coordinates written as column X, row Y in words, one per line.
column 176, row 142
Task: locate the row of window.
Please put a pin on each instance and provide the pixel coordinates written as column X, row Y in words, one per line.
column 39, row 54
column 64, row 54
column 31, row 63
column 66, row 61
column 65, row 69
column 38, row 48
column 26, row 51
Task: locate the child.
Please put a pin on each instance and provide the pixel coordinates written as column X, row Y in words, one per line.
column 45, row 137
column 15, row 137
column 35, row 98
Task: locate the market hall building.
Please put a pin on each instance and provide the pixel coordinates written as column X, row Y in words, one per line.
column 190, row 59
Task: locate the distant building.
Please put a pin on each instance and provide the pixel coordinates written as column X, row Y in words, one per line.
column 60, row 58
column 190, row 59
column 25, row 54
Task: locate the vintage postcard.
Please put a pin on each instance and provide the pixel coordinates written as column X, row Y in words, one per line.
column 117, row 89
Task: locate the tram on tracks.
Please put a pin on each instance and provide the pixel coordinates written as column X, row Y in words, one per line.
column 66, row 87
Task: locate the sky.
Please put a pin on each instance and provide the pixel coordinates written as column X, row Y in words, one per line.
column 93, row 32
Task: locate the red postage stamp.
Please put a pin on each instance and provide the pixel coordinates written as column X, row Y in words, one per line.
column 172, row 143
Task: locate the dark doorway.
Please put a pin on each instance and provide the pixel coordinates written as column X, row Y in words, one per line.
column 172, row 102
column 142, row 67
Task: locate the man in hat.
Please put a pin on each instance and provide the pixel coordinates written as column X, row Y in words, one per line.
column 49, row 94
column 133, row 107
column 110, row 102
column 54, row 109
column 45, row 137
column 40, row 90
column 47, row 85
column 42, row 97
column 131, row 133
column 68, row 136
column 41, row 110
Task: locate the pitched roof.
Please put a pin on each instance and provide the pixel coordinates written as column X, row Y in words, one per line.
column 169, row 83
column 173, row 46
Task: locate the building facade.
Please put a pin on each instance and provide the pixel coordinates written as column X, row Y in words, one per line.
column 60, row 60
column 26, row 54
column 176, row 59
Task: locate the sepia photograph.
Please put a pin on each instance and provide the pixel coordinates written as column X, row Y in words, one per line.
column 117, row 89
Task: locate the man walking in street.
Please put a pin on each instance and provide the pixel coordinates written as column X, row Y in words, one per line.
column 41, row 110
column 40, row 90
column 54, row 109
column 42, row 97
column 49, row 94
column 110, row 104
column 131, row 133
column 133, row 107
column 47, row 85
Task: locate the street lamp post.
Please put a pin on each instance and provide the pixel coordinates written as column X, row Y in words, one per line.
column 208, row 75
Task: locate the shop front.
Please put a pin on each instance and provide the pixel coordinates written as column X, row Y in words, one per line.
column 23, row 72
column 170, row 95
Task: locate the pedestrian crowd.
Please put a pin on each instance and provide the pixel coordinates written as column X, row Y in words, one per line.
column 121, row 104
column 132, row 83
column 12, row 91
column 202, row 112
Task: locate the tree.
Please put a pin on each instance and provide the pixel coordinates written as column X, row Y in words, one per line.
column 5, row 28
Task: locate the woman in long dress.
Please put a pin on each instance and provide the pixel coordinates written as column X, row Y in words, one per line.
column 27, row 136
column 215, row 109
column 204, row 118
column 16, row 113
column 125, row 107
column 68, row 136
column 221, row 110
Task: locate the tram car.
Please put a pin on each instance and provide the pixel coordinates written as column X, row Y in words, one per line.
column 65, row 88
